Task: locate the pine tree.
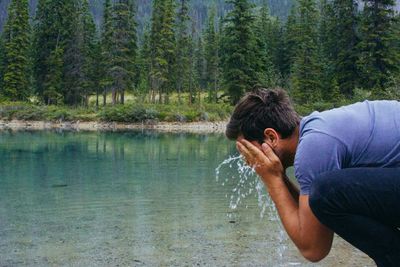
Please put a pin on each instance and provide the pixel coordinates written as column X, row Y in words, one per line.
column 76, row 43
column 16, row 38
column 266, row 47
column 144, row 63
column 74, row 57
column 106, row 45
column 327, row 49
column 290, row 43
column 274, row 35
column 52, row 30
column 163, row 49
column 346, row 45
column 2, row 62
column 96, row 70
column 240, row 64
column 378, row 60
column 192, row 86
column 200, row 65
column 52, row 82
column 212, row 57
column 158, row 63
column 91, row 54
column 169, row 44
column 306, row 72
column 123, row 49
column 64, row 44
column 183, row 43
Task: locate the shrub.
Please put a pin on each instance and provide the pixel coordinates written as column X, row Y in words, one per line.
column 133, row 113
column 128, row 113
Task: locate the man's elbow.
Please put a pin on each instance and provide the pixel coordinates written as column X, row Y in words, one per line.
column 315, row 255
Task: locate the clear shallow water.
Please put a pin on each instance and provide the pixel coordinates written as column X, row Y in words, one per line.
column 133, row 199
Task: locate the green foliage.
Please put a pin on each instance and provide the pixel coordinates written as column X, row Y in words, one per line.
column 64, row 36
column 29, row 112
column 117, row 113
column 345, row 46
column 91, row 51
column 306, row 72
column 16, row 40
column 290, row 43
column 50, row 36
column 379, row 60
column 144, row 65
column 123, row 49
column 266, row 45
column 200, row 64
column 327, row 50
column 2, row 62
column 325, row 53
column 212, row 58
column 183, row 48
column 128, row 113
column 240, row 59
column 338, row 51
column 52, row 86
column 73, row 54
column 162, row 43
column 106, row 45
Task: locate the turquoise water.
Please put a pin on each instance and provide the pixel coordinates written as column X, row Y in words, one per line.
column 132, row 199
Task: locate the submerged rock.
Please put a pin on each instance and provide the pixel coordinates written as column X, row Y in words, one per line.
column 59, row 185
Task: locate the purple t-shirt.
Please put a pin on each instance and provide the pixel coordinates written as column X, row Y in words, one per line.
column 364, row 134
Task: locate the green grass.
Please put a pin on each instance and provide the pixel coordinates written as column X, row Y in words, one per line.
column 128, row 113
column 138, row 110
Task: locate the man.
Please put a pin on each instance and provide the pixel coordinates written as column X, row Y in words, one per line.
column 347, row 163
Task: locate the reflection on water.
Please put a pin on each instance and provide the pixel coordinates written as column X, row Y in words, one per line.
column 129, row 199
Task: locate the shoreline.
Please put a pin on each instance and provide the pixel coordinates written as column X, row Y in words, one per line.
column 168, row 127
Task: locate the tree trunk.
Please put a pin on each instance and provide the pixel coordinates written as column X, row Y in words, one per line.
column 97, row 98
column 114, row 96
column 179, row 95
column 104, row 97
column 215, row 91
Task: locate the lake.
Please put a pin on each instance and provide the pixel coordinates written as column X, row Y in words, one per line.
column 134, row 199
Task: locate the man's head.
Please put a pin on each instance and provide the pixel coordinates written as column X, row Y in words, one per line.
column 266, row 116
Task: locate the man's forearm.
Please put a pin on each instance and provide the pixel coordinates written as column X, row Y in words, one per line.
column 313, row 239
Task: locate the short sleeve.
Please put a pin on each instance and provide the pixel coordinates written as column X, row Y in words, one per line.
column 317, row 153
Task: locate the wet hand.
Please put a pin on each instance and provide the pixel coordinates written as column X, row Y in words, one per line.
column 262, row 158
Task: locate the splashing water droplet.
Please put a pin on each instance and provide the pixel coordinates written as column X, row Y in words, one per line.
column 246, row 182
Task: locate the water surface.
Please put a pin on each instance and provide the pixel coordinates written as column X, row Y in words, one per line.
column 133, row 199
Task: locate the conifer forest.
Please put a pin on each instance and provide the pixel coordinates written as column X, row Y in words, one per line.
column 323, row 52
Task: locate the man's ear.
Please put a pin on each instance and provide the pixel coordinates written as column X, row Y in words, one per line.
column 271, row 137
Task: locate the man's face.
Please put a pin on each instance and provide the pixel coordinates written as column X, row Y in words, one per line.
column 281, row 148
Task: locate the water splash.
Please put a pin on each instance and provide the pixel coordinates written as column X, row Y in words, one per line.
column 234, row 169
column 247, row 182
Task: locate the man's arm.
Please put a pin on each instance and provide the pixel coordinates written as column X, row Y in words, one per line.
column 312, row 238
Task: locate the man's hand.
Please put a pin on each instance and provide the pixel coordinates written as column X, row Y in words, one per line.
column 263, row 159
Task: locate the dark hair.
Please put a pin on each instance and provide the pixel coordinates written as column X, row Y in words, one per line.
column 261, row 109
